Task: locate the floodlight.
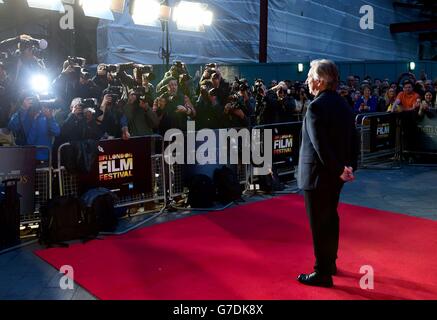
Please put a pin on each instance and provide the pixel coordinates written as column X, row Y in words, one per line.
column 54, row 5
column 146, row 12
column 412, row 66
column 98, row 9
column 192, row 16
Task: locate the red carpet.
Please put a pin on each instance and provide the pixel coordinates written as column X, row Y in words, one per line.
column 255, row 252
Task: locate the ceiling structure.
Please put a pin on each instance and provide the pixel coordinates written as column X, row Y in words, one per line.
column 425, row 26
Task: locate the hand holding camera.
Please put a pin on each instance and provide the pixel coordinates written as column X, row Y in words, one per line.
column 107, row 101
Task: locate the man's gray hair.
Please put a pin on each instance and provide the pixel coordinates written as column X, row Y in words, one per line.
column 75, row 102
column 326, row 70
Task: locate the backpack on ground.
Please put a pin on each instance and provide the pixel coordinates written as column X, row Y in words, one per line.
column 228, row 187
column 62, row 219
column 201, row 192
column 98, row 204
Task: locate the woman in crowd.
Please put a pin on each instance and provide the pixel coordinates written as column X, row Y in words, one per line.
column 386, row 103
column 367, row 102
column 427, row 106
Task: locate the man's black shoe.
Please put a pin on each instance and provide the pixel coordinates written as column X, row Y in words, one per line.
column 316, row 279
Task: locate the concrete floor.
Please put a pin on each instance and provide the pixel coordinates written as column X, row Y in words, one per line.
column 410, row 190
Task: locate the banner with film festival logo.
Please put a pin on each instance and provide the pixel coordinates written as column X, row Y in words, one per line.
column 122, row 166
column 19, row 163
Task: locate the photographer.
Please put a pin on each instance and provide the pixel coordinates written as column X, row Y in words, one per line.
column 81, row 123
column 139, row 114
column 427, row 107
column 239, row 108
column 113, row 122
column 279, row 107
column 74, row 82
column 222, row 87
column 209, row 111
column 23, row 63
column 33, row 124
column 179, row 72
column 178, row 110
column 303, row 102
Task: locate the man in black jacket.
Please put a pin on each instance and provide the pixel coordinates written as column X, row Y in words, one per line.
column 328, row 157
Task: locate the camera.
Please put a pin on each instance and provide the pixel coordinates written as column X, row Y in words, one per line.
column 111, row 68
column 144, row 70
column 235, row 101
column 49, row 104
column 76, row 61
column 115, row 92
column 211, row 66
column 89, row 103
column 184, row 77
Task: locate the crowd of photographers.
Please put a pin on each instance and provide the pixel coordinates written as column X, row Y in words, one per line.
column 120, row 101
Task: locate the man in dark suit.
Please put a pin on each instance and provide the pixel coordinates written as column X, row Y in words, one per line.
column 328, row 158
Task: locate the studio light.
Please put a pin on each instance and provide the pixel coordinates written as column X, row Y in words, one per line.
column 98, row 9
column 300, row 67
column 54, row 5
column 192, row 16
column 146, row 12
column 412, row 66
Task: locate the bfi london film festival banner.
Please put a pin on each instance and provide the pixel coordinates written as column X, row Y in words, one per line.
column 286, row 143
column 382, row 132
column 19, row 163
column 427, row 133
column 122, row 166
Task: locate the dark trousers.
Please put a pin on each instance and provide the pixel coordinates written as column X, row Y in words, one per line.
column 321, row 206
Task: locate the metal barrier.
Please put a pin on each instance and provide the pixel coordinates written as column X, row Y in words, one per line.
column 290, row 132
column 419, row 138
column 175, row 173
column 379, row 140
column 69, row 183
column 42, row 187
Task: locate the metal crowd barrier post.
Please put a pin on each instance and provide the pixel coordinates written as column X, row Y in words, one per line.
column 69, row 183
column 386, row 158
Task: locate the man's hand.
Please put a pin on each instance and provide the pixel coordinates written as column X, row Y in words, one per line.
column 238, row 113
column 181, row 109
column 107, row 100
column 125, row 134
column 348, row 174
column 144, row 105
column 48, row 113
